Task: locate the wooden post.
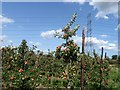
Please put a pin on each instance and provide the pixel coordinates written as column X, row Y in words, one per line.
column 83, row 40
column 101, row 68
column 82, row 61
column 105, row 55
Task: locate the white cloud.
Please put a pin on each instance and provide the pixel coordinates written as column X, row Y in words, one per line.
column 94, row 40
column 49, row 34
column 5, row 19
column 105, row 8
column 117, row 28
column 34, row 43
column 79, row 1
column 102, row 0
column 10, row 41
column 104, row 35
column 99, row 43
column 110, row 46
column 77, row 39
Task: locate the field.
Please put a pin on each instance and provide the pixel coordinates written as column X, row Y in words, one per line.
column 66, row 67
column 23, row 68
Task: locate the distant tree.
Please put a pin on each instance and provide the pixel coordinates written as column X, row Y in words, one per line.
column 114, row 57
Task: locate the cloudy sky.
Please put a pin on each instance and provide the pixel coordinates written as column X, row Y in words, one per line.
column 37, row 22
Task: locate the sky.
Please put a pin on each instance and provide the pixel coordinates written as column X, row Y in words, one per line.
column 36, row 22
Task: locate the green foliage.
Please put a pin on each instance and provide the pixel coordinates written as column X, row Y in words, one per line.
column 113, row 62
column 24, row 69
column 17, row 63
column 38, row 70
column 68, row 51
column 114, row 57
column 92, row 71
column 114, row 78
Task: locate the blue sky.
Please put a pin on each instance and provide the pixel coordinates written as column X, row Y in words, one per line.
column 37, row 22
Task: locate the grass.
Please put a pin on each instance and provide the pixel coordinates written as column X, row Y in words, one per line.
column 114, row 77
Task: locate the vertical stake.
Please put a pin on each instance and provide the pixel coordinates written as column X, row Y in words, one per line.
column 105, row 55
column 101, row 61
